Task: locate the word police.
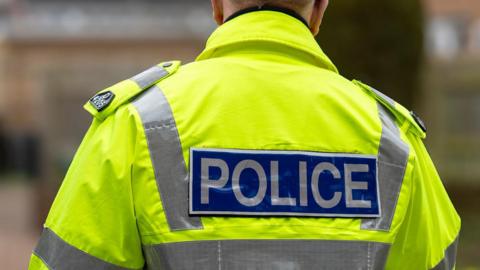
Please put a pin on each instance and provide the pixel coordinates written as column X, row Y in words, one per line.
column 282, row 183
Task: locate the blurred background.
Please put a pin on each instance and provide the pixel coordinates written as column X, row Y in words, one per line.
column 55, row 54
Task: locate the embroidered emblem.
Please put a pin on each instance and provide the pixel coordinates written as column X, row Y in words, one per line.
column 102, row 100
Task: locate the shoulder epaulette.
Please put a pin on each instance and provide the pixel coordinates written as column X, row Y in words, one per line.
column 408, row 119
column 107, row 101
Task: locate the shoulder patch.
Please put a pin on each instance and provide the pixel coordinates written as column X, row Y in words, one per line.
column 419, row 121
column 401, row 113
column 102, row 100
column 109, row 100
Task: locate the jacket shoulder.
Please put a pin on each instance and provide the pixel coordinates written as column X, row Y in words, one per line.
column 107, row 101
column 407, row 120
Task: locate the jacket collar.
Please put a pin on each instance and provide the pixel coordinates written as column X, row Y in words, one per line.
column 284, row 31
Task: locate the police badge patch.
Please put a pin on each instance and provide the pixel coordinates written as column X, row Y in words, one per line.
column 102, row 100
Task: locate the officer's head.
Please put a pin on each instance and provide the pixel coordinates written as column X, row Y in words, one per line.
column 311, row 10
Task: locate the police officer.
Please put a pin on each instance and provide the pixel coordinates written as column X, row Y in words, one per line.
column 258, row 155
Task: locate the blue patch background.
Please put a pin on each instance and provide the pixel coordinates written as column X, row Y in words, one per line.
column 224, row 202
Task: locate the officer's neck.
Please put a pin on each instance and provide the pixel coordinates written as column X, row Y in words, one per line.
column 270, row 8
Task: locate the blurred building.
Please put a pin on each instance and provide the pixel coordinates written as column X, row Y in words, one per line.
column 55, row 54
column 453, row 28
column 452, row 88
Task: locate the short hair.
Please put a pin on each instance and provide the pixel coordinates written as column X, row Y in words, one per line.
column 292, row 4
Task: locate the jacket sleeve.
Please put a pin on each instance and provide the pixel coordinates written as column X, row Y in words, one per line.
column 92, row 223
column 428, row 236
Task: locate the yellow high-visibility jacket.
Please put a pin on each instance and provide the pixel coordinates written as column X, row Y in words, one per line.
column 261, row 87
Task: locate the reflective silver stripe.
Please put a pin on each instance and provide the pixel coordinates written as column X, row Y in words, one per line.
column 385, row 98
column 57, row 254
column 150, row 76
column 267, row 254
column 167, row 158
column 448, row 262
column 392, row 163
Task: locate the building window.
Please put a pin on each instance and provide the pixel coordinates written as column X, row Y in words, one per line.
column 445, row 37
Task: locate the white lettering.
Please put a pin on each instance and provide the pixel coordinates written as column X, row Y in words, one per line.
column 206, row 182
column 262, row 183
column 275, row 192
column 324, row 171
column 303, row 183
column 351, row 185
column 319, row 169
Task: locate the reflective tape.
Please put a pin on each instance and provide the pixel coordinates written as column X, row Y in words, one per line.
column 57, row 254
column 392, row 163
column 167, row 158
column 150, row 76
column 448, row 262
column 267, row 255
column 384, row 97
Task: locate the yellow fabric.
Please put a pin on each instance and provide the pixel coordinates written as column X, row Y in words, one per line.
column 36, row 263
column 125, row 91
column 431, row 223
column 260, row 90
column 270, row 87
column 406, row 121
column 120, row 91
column 94, row 209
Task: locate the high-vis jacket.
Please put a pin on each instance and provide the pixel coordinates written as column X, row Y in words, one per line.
column 258, row 155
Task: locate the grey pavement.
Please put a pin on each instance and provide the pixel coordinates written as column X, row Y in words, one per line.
column 17, row 233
